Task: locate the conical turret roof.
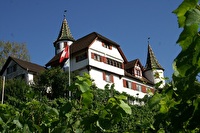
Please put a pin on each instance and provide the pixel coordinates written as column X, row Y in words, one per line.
column 65, row 33
column 152, row 62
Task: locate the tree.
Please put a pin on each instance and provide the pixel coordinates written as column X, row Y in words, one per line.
column 13, row 49
column 56, row 80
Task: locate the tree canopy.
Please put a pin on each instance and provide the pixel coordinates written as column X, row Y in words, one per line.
column 14, row 49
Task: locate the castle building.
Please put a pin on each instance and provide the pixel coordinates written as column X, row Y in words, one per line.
column 105, row 62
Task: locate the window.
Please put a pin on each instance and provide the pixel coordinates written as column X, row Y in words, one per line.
column 137, row 72
column 157, row 75
column 106, row 60
column 144, row 89
column 129, row 84
column 108, row 77
column 106, row 45
column 11, row 69
column 81, row 57
column 138, row 87
column 114, row 63
column 65, row 44
column 97, row 57
column 119, row 65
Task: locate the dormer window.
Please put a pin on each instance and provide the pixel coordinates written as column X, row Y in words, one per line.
column 107, row 45
column 138, row 71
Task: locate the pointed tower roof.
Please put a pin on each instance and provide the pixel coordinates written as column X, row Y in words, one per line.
column 65, row 33
column 152, row 62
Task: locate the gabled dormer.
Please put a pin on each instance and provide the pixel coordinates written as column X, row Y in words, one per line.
column 134, row 68
column 64, row 38
column 107, row 45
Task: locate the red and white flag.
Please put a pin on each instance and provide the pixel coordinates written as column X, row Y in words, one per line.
column 65, row 54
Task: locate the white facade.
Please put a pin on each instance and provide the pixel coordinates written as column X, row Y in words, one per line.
column 92, row 61
column 105, row 62
column 113, row 54
column 15, row 71
column 17, row 68
column 156, row 76
column 97, row 76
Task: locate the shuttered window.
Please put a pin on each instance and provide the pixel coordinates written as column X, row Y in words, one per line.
column 124, row 83
column 144, row 89
column 133, row 86
column 108, row 77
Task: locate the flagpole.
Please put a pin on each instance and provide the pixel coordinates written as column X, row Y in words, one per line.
column 2, row 98
column 69, row 73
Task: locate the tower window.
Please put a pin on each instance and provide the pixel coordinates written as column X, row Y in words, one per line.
column 157, row 75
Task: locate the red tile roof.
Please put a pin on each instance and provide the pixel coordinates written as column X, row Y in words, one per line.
column 84, row 43
column 132, row 63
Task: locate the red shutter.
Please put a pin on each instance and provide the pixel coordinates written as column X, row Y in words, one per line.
column 144, row 89
column 122, row 65
column 92, row 55
column 105, row 60
column 101, row 58
column 104, row 76
column 133, row 86
column 112, row 78
column 124, row 83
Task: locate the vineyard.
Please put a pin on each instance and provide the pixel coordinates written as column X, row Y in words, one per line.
column 92, row 110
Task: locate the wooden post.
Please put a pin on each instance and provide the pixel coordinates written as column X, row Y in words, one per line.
column 2, row 98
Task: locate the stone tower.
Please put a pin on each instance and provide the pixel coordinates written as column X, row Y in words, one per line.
column 153, row 70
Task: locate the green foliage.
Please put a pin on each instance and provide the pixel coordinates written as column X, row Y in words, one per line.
column 13, row 49
column 56, row 80
column 178, row 105
column 17, row 91
column 79, row 114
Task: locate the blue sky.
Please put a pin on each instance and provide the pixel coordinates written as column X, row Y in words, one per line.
column 127, row 22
